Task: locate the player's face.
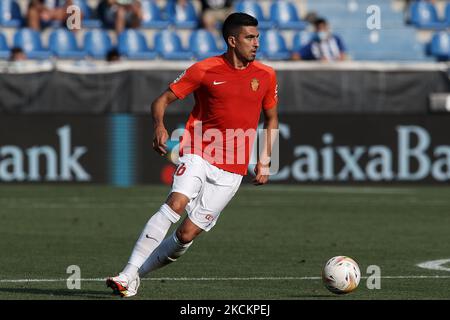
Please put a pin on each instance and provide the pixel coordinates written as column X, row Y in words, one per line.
column 247, row 43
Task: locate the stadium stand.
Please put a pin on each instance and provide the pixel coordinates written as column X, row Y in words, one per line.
column 440, row 46
column 406, row 34
column 63, row 44
column 30, row 42
column 254, row 9
column 273, row 46
column 203, row 45
column 97, row 43
column 152, row 16
column 10, row 14
column 300, row 39
column 285, row 16
column 168, row 45
column 182, row 16
column 394, row 40
column 423, row 14
column 88, row 16
column 447, row 14
column 4, row 49
column 133, row 45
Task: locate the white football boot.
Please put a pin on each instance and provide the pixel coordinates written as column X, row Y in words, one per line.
column 123, row 286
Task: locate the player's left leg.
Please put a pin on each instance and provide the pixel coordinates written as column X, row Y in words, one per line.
column 186, row 186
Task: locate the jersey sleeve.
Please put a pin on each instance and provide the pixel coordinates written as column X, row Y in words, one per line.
column 271, row 98
column 188, row 81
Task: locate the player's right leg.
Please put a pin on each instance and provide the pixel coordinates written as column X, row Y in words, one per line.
column 172, row 248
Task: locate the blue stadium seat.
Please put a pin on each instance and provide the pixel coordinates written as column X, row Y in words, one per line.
column 301, row 39
column 4, row 50
column 389, row 45
column 203, row 44
column 10, row 15
column 88, row 19
column 152, row 17
column 63, row 44
column 183, row 17
column 440, row 46
column 273, row 46
column 447, row 14
column 423, row 15
column 30, row 42
column 97, row 43
column 132, row 44
column 168, row 45
column 254, row 9
column 284, row 15
column 52, row 4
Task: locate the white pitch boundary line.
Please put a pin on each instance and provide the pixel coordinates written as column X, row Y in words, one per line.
column 216, row 279
column 435, row 265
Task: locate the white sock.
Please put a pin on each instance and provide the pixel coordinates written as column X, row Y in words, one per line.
column 154, row 232
column 169, row 251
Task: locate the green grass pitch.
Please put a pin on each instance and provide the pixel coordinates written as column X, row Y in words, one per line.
column 269, row 243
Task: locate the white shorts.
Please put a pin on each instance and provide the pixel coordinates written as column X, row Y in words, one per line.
column 208, row 188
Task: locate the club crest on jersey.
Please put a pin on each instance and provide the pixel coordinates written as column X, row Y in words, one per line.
column 255, row 84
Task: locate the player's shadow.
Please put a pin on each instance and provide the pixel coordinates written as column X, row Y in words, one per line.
column 83, row 294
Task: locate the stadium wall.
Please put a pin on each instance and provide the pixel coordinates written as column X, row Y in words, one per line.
column 363, row 88
column 325, row 149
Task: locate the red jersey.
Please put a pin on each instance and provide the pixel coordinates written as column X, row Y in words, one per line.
column 228, row 102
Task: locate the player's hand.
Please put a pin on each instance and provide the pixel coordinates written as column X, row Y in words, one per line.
column 160, row 139
column 262, row 174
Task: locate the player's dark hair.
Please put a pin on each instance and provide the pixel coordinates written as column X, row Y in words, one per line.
column 233, row 23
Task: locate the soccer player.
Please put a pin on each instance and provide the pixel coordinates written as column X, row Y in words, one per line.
column 230, row 92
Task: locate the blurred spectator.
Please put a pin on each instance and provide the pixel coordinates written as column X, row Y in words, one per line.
column 311, row 17
column 113, row 55
column 120, row 14
column 324, row 45
column 214, row 12
column 17, row 54
column 40, row 16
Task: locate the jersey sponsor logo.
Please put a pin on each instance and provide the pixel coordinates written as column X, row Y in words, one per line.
column 179, row 77
column 216, row 83
column 254, row 84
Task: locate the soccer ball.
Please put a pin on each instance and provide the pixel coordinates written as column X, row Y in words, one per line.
column 341, row 275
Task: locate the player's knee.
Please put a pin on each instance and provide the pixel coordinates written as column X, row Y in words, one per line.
column 177, row 204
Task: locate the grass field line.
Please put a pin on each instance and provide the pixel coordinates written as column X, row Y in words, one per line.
column 334, row 189
column 218, row 279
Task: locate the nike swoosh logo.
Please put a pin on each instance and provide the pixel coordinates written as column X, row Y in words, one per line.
column 151, row 238
column 218, row 82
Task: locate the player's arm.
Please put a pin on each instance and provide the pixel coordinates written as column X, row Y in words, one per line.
column 158, row 109
column 270, row 134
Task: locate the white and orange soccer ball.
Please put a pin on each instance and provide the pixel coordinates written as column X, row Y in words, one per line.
column 341, row 275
